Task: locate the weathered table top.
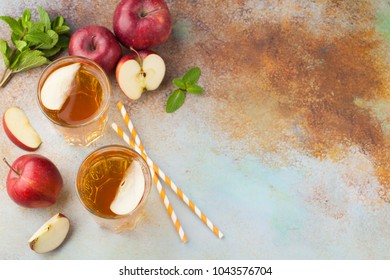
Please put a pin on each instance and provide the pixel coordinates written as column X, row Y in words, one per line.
column 287, row 151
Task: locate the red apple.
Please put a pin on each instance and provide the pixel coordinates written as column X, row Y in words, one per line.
column 34, row 181
column 18, row 129
column 98, row 44
column 140, row 71
column 142, row 24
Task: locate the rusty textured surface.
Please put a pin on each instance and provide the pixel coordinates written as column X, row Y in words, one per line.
column 290, row 140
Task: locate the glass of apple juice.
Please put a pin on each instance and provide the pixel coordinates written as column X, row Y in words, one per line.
column 113, row 184
column 74, row 93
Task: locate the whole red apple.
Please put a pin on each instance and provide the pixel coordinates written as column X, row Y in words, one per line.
column 98, row 44
column 142, row 24
column 34, row 181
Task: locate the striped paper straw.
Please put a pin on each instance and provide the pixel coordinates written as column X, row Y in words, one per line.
column 156, row 181
column 167, row 180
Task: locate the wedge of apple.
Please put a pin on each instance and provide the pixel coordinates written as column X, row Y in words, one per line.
column 19, row 130
column 50, row 235
column 131, row 190
column 57, row 86
column 140, row 71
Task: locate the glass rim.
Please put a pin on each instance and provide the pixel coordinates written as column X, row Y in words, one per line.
column 106, row 87
column 148, row 179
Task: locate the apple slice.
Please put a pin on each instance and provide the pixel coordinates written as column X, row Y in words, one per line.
column 131, row 190
column 57, row 86
column 50, row 235
column 140, row 71
column 19, row 130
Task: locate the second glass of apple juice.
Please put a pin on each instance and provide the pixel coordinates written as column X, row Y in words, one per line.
column 74, row 94
column 102, row 179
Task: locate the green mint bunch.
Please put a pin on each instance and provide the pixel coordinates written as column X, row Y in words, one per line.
column 34, row 42
column 187, row 83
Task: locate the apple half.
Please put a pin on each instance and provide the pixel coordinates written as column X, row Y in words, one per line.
column 140, row 71
column 19, row 130
column 50, row 235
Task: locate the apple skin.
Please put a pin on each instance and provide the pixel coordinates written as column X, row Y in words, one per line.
column 37, row 184
column 98, row 44
column 15, row 140
column 142, row 24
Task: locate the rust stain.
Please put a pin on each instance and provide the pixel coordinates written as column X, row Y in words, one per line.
column 326, row 203
column 317, row 81
column 287, row 83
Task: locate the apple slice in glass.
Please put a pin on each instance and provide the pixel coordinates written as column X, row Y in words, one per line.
column 19, row 130
column 57, row 87
column 131, row 190
column 50, row 235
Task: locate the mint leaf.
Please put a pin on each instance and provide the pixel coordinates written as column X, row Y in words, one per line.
column 192, row 76
column 59, row 26
column 194, row 89
column 38, row 37
column 185, row 84
column 62, row 29
column 175, row 101
column 179, row 83
column 37, row 26
column 26, row 19
column 14, row 25
column 57, row 22
column 63, row 41
column 20, row 45
column 14, row 60
column 51, row 52
column 14, row 37
column 5, row 52
column 29, row 59
column 53, row 40
column 34, row 42
column 44, row 17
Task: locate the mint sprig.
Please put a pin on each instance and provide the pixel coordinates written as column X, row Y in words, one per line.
column 34, row 42
column 187, row 83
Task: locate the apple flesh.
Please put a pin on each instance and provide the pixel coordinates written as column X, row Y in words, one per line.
column 140, row 71
column 50, row 235
column 98, row 44
column 19, row 130
column 57, row 87
column 142, row 24
column 34, row 181
column 130, row 191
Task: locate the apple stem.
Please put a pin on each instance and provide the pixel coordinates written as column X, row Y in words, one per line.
column 145, row 13
column 138, row 55
column 9, row 165
column 93, row 47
